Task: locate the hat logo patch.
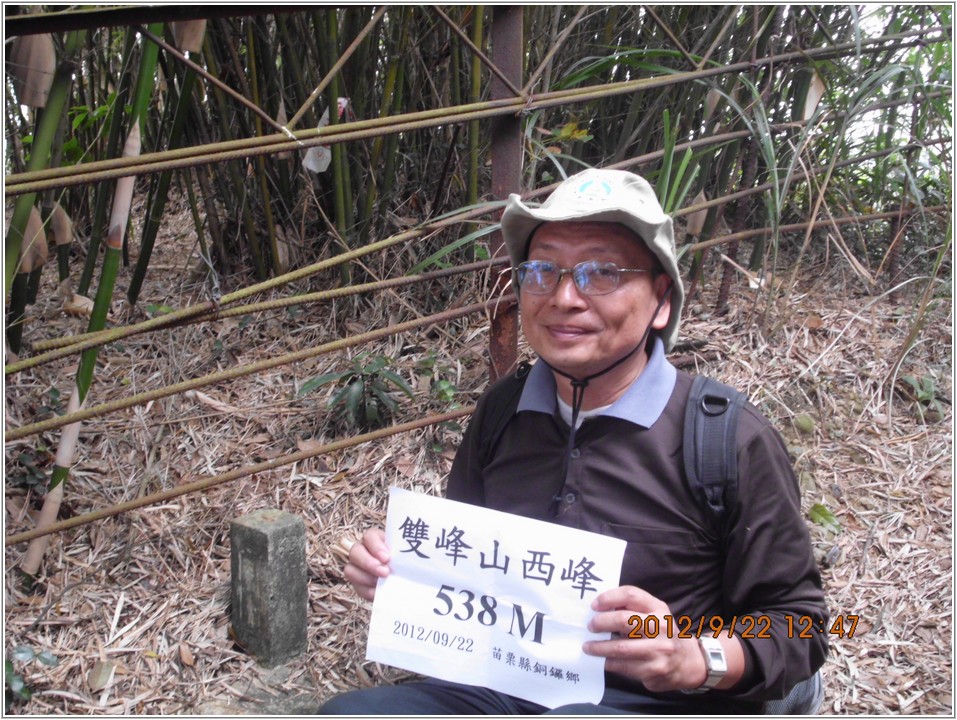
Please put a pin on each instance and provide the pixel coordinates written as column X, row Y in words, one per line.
column 593, row 190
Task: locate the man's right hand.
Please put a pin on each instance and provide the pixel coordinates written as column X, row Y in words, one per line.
column 368, row 561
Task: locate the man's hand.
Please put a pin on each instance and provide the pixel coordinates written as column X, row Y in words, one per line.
column 661, row 663
column 368, row 561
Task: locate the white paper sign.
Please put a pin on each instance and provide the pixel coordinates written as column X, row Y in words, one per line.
column 486, row 598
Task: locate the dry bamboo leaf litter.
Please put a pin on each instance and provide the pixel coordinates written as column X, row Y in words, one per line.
column 148, row 592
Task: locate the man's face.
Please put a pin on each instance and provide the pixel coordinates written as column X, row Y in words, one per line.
column 584, row 334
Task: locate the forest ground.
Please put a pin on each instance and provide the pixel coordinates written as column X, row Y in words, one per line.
column 136, row 607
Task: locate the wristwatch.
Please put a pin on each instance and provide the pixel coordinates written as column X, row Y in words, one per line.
column 715, row 662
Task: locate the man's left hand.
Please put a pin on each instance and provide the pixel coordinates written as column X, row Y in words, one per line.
column 662, row 663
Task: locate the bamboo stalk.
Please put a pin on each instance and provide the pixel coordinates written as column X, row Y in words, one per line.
column 160, row 192
column 280, row 303
column 378, row 184
column 50, row 510
column 292, row 276
column 158, row 42
column 810, row 225
column 66, row 449
column 475, row 92
column 337, row 66
column 476, row 51
column 98, row 227
column 20, row 291
column 340, row 177
column 322, row 295
column 205, row 483
column 39, row 155
column 246, row 370
column 391, row 152
column 235, row 177
column 279, row 262
column 301, row 273
column 220, row 152
column 543, row 100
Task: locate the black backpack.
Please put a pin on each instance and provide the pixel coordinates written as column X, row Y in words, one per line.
column 710, row 426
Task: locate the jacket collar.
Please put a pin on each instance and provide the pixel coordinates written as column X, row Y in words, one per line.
column 642, row 403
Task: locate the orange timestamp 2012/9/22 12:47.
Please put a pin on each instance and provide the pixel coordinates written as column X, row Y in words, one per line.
column 744, row 626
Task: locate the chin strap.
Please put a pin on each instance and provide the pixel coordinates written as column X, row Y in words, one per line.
column 578, row 397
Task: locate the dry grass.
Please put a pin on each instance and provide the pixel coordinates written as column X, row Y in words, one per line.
column 146, row 595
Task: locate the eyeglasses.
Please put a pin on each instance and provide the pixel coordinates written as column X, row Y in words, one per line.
column 541, row 277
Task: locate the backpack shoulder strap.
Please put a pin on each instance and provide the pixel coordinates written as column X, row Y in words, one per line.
column 497, row 416
column 710, row 451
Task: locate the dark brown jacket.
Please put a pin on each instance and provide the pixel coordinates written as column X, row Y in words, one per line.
column 627, row 480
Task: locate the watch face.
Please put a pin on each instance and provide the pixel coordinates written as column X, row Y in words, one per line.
column 715, row 660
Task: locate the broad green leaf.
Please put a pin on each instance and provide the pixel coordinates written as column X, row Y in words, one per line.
column 384, row 397
column 376, row 365
column 398, row 381
column 354, row 399
column 319, row 381
column 451, row 247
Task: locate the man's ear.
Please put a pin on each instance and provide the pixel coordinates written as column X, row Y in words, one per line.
column 662, row 288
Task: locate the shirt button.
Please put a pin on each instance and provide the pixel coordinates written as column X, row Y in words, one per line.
column 570, row 498
column 576, row 453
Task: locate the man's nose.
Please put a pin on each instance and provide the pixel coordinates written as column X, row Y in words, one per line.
column 567, row 292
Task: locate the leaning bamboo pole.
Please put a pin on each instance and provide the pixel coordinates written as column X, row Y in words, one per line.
column 219, row 152
column 185, row 313
column 323, row 295
column 66, row 449
column 245, row 370
column 229, row 298
column 205, row 483
column 281, row 303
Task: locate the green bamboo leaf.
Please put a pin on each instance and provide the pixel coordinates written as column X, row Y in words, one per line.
column 491, row 205
column 678, row 192
column 822, row 516
column 452, row 247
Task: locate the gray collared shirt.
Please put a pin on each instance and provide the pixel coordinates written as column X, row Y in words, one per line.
column 642, row 403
